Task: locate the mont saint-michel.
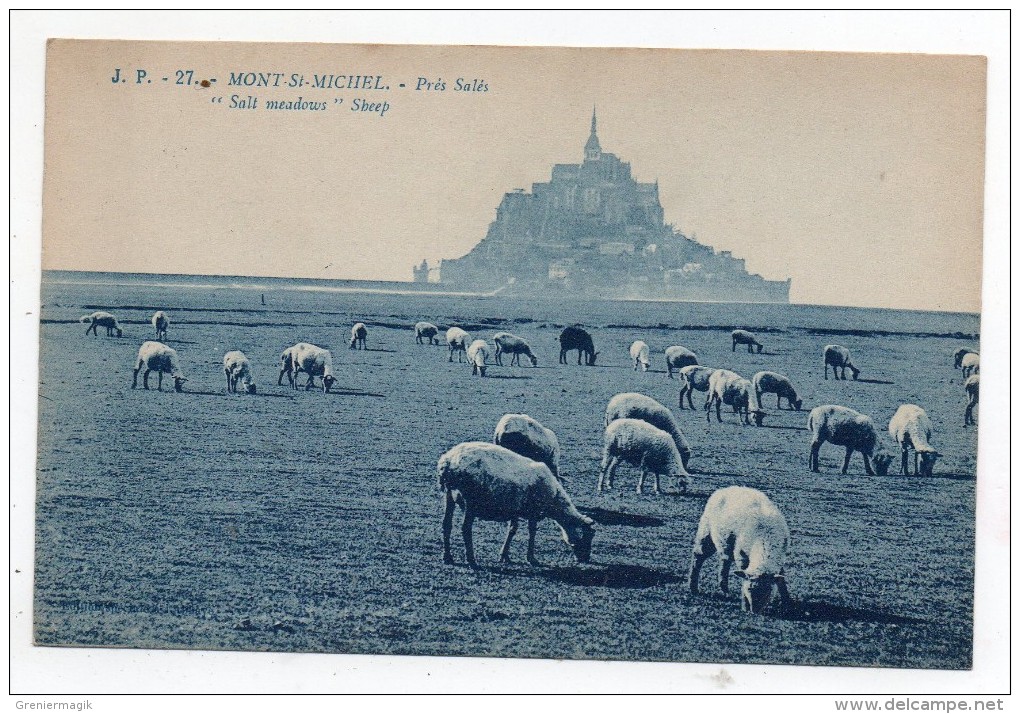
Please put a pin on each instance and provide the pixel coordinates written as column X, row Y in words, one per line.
column 593, row 230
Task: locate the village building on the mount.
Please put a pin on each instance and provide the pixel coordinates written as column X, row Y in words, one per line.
column 594, row 231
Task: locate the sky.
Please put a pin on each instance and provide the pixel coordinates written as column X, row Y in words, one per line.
column 858, row 176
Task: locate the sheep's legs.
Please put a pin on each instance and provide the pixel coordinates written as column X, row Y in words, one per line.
column 704, row 549
column 813, row 459
column 608, row 470
column 451, row 506
column 867, row 465
column 784, row 592
column 724, row 573
column 145, row 378
column 532, row 529
column 134, row 382
column 903, row 463
column 469, row 548
column 683, row 391
column 846, row 461
column 504, row 555
column 160, row 382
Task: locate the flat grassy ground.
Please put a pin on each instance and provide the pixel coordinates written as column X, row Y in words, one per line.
column 169, row 520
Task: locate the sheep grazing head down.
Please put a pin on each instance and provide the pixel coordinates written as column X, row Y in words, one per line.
column 756, row 591
column 797, row 404
column 759, row 416
column 579, row 538
column 534, row 360
column 120, row 332
column 251, row 388
column 327, row 382
column 856, row 372
column 928, row 459
column 179, row 383
column 590, row 358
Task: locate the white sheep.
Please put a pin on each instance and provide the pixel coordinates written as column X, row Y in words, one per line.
column 527, row 437
column 693, row 377
column 458, row 340
column 477, row 354
column 743, row 337
column 726, row 387
column 632, row 405
column 678, row 357
column 838, row 356
column 970, row 364
column 743, row 525
column 643, row 446
column 972, row 387
column 237, row 369
column 912, row 429
column 958, row 356
column 358, row 334
column 639, row 353
column 845, row 427
column 155, row 356
column 160, row 321
column 426, row 331
column 778, row 384
column 99, row 319
column 495, row 484
column 313, row 361
column 507, row 343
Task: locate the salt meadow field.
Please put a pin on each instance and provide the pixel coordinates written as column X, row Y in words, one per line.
column 302, row 521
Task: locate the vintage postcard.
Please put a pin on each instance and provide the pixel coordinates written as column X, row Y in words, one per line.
column 597, row 354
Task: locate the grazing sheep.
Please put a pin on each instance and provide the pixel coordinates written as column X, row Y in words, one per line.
column 457, row 339
column 726, row 387
column 743, row 337
column 958, row 356
column 313, row 361
column 577, row 338
column 160, row 321
column 743, row 525
column 639, row 353
column 691, row 378
column 237, row 368
column 102, row 319
column 678, row 357
column 358, row 334
column 155, row 356
column 426, row 331
column 775, row 383
column 507, row 343
column 838, row 356
column 911, row 428
column 495, row 484
column 970, row 364
column 644, row 446
column 632, row 405
column 477, row 354
column 972, row 387
column 527, row 437
column 845, row 427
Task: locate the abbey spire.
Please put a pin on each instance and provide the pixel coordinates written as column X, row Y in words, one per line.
column 592, row 149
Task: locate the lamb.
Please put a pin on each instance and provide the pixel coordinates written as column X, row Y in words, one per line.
column 743, row 525
column 838, row 356
column 477, row 354
column 577, row 338
column 157, row 356
column 632, row 405
column 678, row 357
column 527, row 437
column 313, row 361
column 970, row 364
column 972, row 387
column 959, row 354
column 358, row 334
column 507, row 343
column 743, row 337
column 691, row 378
column 495, row 484
column 237, row 368
column 160, row 321
column 726, row 387
column 845, row 427
column 775, row 383
column 639, row 353
column 644, row 446
column 457, row 339
column 426, row 331
column 911, row 428
column 102, row 319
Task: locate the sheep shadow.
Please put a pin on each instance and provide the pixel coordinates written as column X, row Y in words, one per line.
column 780, row 426
column 354, row 393
column 617, row 576
column 874, row 381
column 821, row 611
column 606, row 517
column 180, row 342
column 375, row 349
column 507, row 376
column 721, row 474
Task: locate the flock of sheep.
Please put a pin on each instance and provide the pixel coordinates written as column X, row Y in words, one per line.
column 517, row 476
